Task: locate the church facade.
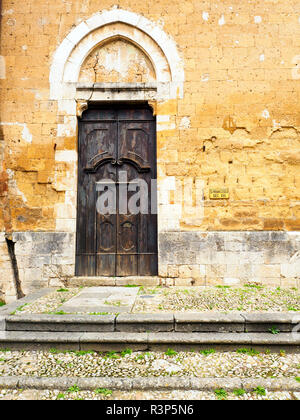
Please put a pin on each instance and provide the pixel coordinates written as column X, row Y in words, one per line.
column 194, row 101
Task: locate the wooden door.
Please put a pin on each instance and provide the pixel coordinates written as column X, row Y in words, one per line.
column 117, row 144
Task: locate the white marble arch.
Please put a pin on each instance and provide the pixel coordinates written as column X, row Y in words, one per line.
column 150, row 38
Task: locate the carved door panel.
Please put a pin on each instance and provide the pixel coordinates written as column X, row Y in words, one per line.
column 117, row 144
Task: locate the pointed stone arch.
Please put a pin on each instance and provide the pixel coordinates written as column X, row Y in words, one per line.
column 101, row 27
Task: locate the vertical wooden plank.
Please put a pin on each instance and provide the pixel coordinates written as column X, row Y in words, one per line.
column 121, row 244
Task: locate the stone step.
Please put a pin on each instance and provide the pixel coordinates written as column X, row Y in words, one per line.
column 150, row 383
column 141, row 323
column 113, row 281
column 118, row 341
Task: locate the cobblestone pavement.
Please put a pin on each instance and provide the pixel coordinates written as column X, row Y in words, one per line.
column 49, row 303
column 206, row 364
column 105, row 394
column 250, row 298
column 107, row 300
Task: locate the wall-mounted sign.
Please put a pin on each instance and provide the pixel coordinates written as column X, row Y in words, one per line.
column 219, row 193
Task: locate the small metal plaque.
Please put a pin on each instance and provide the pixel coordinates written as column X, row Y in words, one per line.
column 219, row 193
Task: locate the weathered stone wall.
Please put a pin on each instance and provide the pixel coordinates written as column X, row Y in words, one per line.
column 7, row 284
column 232, row 122
column 230, row 258
column 44, row 259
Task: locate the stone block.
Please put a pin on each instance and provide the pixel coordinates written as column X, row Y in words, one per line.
column 145, row 323
column 172, row 271
column 113, row 341
column 185, row 271
column 263, row 323
column 2, row 323
column 138, row 281
column 184, row 282
column 266, row 271
column 163, row 270
column 209, row 322
column 290, row 270
column 61, row 323
column 230, row 281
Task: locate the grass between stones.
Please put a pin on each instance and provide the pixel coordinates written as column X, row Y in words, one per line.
column 242, row 363
column 105, row 394
column 50, row 303
column 250, row 298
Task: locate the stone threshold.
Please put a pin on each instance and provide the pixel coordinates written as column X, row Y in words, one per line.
column 114, row 281
column 119, row 341
column 149, row 384
column 202, row 322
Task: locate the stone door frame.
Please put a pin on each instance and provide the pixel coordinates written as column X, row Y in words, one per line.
column 73, row 97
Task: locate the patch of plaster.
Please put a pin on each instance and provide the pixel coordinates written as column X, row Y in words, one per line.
column 66, row 156
column 7, row 12
column 276, row 125
column 26, row 135
column 205, row 77
column 185, row 123
column 222, row 20
column 166, row 127
column 205, row 16
column 2, row 67
column 162, row 118
column 265, row 114
column 13, row 185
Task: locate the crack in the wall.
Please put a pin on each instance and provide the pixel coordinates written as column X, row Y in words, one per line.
column 11, row 251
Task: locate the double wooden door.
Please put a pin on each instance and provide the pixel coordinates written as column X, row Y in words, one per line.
column 117, row 145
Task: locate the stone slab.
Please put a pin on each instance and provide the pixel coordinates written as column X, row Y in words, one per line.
column 211, row 384
column 2, row 323
column 214, row 327
column 125, row 338
column 113, row 341
column 145, row 323
column 61, row 323
column 35, row 337
column 150, row 383
column 161, row 383
column 93, row 296
column 209, row 322
column 275, row 340
column 101, row 299
column 16, row 340
column 276, row 317
column 283, row 322
column 91, row 309
column 91, row 282
column 8, row 309
column 208, row 317
column 199, row 338
column 270, row 384
column 142, row 341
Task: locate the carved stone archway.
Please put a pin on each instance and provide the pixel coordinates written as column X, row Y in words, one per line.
column 150, row 38
column 73, row 96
